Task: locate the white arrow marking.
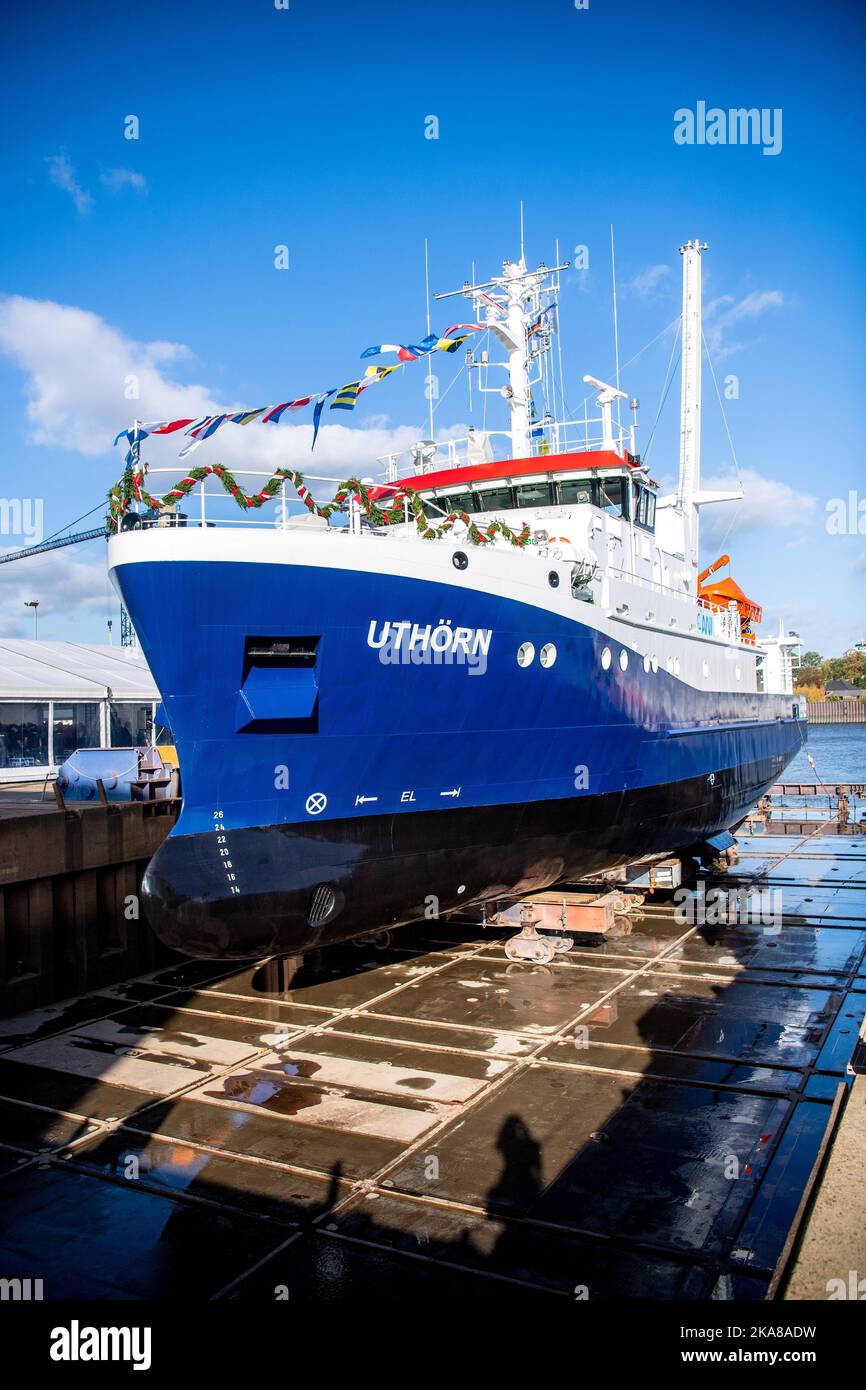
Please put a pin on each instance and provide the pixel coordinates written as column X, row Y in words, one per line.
column 359, row 800
column 455, row 792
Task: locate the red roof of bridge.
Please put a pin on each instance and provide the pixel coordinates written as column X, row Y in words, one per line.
column 456, row 478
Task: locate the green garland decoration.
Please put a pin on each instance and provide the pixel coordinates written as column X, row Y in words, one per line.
column 130, row 488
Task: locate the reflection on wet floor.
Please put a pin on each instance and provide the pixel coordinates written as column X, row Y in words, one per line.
column 636, row 1119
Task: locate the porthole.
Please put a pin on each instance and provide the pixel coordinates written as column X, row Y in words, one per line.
column 623, row 660
column 547, row 656
column 460, row 560
column 706, row 669
column 605, row 659
column 676, row 666
column 739, row 673
column 553, row 579
column 525, row 654
column 646, row 663
column 654, row 663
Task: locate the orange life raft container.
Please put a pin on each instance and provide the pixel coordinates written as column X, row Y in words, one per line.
column 723, row 592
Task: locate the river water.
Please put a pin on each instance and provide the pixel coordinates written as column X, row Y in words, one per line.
column 839, row 751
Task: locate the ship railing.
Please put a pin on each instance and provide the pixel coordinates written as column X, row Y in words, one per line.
column 579, row 436
column 495, row 446
column 725, row 621
column 216, row 507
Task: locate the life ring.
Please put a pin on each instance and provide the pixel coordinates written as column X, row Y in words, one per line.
column 562, row 540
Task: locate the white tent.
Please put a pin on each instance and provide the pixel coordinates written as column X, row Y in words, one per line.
column 59, row 696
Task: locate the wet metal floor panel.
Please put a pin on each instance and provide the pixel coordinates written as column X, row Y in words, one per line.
column 637, row 1119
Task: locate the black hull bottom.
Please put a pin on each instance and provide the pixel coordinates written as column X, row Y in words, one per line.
column 308, row 885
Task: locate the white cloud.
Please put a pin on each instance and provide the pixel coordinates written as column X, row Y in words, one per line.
column 70, row 589
column 768, row 504
column 712, row 306
column 755, row 304
column 722, row 314
column 648, row 283
column 340, row 450
column 79, row 370
column 116, row 180
column 62, row 174
column 79, row 373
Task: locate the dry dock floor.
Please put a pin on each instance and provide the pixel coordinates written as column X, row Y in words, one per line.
column 638, row 1119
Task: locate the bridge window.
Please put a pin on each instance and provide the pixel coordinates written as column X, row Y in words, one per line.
column 495, row 499
column 534, row 495
column 434, row 506
column 646, row 509
column 578, row 490
column 456, row 502
column 612, row 496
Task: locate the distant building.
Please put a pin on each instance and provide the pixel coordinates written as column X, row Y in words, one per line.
column 844, row 690
column 59, row 696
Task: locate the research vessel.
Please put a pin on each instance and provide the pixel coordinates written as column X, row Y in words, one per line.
column 519, row 676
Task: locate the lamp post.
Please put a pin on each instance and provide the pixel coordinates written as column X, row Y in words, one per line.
column 34, row 604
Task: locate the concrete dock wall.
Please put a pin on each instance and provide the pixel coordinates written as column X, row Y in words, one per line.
column 69, row 911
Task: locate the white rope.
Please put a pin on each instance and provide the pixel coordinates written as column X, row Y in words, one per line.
column 737, row 505
column 666, row 386
column 645, row 348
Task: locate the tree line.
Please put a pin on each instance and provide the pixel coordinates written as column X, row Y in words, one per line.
column 815, row 671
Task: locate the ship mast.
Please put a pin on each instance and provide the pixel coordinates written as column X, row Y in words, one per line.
column 690, row 413
column 512, row 335
column 511, row 303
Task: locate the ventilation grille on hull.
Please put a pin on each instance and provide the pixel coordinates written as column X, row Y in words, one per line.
column 322, row 905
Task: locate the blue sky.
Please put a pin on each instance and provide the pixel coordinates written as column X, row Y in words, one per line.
column 305, row 127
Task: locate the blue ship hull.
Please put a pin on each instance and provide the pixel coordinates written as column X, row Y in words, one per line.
column 387, row 789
